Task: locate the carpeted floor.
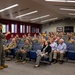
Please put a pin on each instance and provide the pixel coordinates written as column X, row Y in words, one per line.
column 44, row 69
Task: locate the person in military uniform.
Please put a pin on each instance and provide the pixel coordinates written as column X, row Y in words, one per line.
column 9, row 47
column 17, row 39
column 23, row 51
column 23, row 39
column 2, row 54
column 35, row 39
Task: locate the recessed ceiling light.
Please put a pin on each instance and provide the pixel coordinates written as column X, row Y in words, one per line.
column 8, row 7
column 67, row 9
column 49, row 20
column 27, row 14
column 39, row 17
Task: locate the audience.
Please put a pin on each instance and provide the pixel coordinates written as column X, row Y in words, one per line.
column 53, row 43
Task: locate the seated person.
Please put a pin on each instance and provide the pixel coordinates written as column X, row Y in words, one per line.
column 9, row 47
column 29, row 38
column 35, row 39
column 70, row 40
column 17, row 39
column 61, row 49
column 12, row 36
column 54, row 47
column 23, row 51
column 23, row 39
column 44, row 52
column 4, row 40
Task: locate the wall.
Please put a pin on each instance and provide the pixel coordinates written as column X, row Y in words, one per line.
column 51, row 27
column 9, row 22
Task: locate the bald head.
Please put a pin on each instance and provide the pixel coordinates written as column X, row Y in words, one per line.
column 61, row 41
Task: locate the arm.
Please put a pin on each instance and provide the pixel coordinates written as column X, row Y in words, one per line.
column 2, row 36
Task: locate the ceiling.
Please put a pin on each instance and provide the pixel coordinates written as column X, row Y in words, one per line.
column 43, row 8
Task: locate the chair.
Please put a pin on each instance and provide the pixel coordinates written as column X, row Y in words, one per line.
column 47, row 59
column 71, row 52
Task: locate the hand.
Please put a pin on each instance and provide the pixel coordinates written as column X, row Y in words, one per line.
column 22, row 51
column 8, row 32
column 42, row 55
column 58, row 51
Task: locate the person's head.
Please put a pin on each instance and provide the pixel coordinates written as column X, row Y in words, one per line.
column 52, row 39
column 1, row 27
column 61, row 41
column 12, row 35
column 29, row 35
column 17, row 35
column 42, row 41
column 13, row 40
column 47, row 43
column 27, row 41
column 35, row 35
column 23, row 36
column 58, row 38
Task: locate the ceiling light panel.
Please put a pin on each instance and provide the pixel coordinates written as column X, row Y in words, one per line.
column 40, row 17
column 27, row 14
column 7, row 8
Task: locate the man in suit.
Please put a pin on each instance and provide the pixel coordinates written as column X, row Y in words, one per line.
column 2, row 55
column 23, row 51
column 9, row 47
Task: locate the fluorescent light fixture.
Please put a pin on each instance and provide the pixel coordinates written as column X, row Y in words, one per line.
column 56, row 0
column 9, row 7
column 67, row 9
column 71, row 13
column 39, row 17
column 49, row 20
column 71, row 1
column 26, row 14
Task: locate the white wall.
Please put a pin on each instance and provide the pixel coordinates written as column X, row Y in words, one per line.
column 52, row 27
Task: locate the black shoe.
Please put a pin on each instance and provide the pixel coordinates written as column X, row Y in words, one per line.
column 55, row 61
column 61, row 62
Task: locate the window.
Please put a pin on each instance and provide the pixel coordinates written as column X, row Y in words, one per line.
column 35, row 30
column 22, row 28
column 14, row 28
column 5, row 28
column 28, row 29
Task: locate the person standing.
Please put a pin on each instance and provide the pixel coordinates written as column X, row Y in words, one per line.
column 2, row 55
